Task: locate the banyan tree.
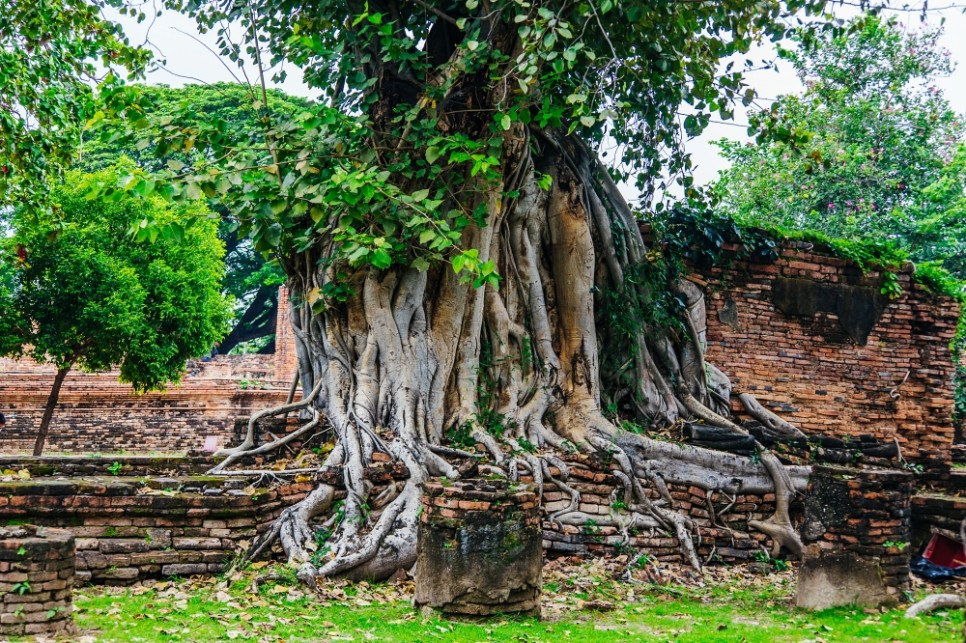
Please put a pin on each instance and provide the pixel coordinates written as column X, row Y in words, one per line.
column 470, row 285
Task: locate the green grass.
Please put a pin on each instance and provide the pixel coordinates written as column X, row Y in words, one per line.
column 739, row 609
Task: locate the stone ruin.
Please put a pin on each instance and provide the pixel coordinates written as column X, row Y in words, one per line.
column 857, row 532
column 36, row 579
column 479, row 548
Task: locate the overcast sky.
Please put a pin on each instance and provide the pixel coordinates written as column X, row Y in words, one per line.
column 185, row 59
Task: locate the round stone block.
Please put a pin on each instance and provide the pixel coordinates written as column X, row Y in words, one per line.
column 36, row 579
column 479, row 548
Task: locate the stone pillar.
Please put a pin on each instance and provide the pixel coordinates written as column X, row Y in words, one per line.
column 286, row 359
column 36, row 579
column 856, row 532
column 479, row 548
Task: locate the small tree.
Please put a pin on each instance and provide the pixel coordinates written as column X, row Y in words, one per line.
column 84, row 292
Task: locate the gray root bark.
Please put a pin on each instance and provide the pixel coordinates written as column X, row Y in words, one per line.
column 413, row 355
column 935, row 602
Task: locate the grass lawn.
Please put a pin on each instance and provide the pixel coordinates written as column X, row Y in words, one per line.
column 266, row 604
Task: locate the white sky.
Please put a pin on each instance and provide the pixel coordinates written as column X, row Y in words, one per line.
column 175, row 39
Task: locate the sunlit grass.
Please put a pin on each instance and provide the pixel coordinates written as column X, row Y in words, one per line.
column 240, row 608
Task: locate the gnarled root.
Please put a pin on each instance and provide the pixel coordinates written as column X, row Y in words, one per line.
column 247, row 446
column 776, row 424
column 779, row 526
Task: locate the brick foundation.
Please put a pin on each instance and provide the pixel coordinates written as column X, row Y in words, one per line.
column 160, row 516
column 163, row 516
column 36, row 579
column 128, row 529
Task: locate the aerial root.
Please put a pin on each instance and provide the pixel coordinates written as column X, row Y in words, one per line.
column 246, row 448
column 779, row 526
column 640, row 504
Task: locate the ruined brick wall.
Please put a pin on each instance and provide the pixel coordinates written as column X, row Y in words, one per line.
column 36, row 581
column 813, row 338
column 140, row 524
column 97, row 413
column 129, row 529
column 722, row 518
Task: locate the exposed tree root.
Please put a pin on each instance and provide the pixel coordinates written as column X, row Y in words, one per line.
column 411, row 358
column 247, row 447
column 935, row 602
column 769, row 419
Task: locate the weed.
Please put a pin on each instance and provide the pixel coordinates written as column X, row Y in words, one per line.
column 643, row 559
column 20, row 588
column 322, row 548
column 114, row 468
column 526, row 445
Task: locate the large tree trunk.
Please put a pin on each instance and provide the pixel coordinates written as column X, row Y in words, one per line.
column 49, row 409
column 412, row 356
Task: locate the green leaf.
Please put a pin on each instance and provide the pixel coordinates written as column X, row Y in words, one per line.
column 420, row 264
column 380, row 259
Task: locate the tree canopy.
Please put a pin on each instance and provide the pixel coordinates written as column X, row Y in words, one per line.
column 52, row 56
column 84, row 293
column 235, row 110
column 356, row 169
column 872, row 150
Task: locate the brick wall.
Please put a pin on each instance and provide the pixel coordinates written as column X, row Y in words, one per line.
column 97, row 413
column 286, row 360
column 128, row 529
column 814, row 340
column 142, row 524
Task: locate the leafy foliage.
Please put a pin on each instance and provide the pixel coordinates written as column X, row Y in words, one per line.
column 85, row 292
column 405, row 156
column 52, row 53
column 870, row 152
column 236, row 113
